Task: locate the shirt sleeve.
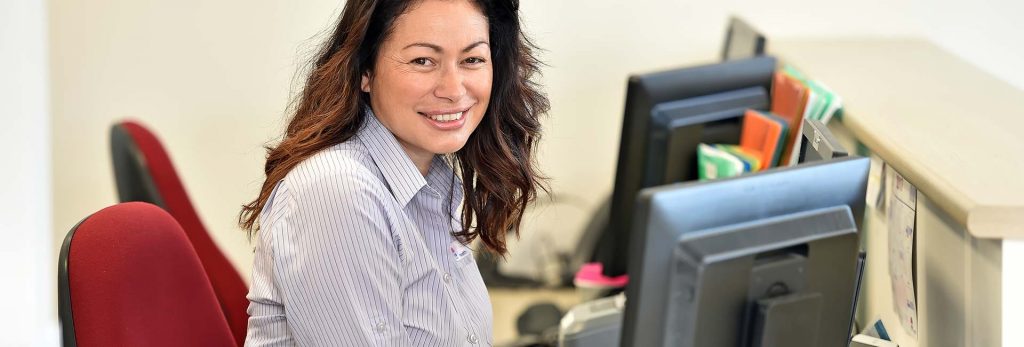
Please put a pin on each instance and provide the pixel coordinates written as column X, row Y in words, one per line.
column 268, row 325
column 337, row 266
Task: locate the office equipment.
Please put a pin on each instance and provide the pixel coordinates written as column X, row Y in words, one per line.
column 128, row 276
column 858, row 284
column 817, row 205
column 642, row 94
column 796, row 97
column 678, row 126
column 936, row 119
column 742, row 40
column 818, row 143
column 593, row 323
column 144, row 172
column 765, row 134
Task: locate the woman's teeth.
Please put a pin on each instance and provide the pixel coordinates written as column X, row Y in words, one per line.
column 447, row 117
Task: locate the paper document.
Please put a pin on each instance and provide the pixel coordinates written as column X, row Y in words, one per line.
column 902, row 206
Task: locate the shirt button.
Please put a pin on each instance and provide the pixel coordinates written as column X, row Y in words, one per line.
column 447, row 278
column 380, row 327
column 472, row 338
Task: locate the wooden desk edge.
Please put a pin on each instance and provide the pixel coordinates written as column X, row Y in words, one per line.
column 981, row 220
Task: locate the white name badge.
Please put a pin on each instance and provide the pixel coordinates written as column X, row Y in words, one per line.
column 459, row 252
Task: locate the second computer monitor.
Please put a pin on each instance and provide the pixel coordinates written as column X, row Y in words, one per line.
column 742, row 41
column 678, row 127
column 642, row 94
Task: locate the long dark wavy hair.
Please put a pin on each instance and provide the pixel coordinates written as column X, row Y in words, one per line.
column 497, row 165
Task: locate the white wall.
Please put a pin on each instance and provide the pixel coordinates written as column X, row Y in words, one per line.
column 27, row 258
column 986, row 33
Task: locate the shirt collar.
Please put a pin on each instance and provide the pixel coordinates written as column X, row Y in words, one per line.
column 442, row 178
column 400, row 173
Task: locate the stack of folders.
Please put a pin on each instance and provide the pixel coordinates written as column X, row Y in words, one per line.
column 761, row 147
column 771, row 139
column 795, row 97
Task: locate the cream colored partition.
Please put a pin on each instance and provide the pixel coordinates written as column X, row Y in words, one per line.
column 955, row 132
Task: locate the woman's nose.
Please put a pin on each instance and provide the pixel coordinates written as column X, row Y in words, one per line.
column 451, row 85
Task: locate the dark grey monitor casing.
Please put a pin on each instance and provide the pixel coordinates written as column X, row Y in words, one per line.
column 643, row 93
column 818, row 143
column 665, row 214
column 678, row 127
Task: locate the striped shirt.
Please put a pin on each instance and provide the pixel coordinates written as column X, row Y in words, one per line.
column 355, row 249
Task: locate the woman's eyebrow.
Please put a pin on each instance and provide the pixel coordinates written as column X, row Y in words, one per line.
column 438, row 49
column 474, row 44
column 427, row 45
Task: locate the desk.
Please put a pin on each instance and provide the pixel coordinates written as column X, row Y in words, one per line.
column 508, row 304
column 954, row 132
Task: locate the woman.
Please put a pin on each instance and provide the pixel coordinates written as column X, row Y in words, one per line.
column 358, row 242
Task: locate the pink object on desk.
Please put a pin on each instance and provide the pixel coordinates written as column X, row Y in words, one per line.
column 590, row 276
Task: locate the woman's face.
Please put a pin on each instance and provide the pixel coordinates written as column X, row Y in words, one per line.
column 432, row 79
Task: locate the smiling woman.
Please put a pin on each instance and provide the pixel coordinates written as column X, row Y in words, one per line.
column 411, row 110
column 432, row 81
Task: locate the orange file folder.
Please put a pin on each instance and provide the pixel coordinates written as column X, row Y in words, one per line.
column 763, row 134
column 789, row 97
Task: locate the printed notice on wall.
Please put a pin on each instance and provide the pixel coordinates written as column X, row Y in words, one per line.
column 902, row 206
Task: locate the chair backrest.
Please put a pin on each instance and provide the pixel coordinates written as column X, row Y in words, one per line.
column 144, row 172
column 128, row 276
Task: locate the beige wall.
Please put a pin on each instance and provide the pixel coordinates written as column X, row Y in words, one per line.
column 212, row 79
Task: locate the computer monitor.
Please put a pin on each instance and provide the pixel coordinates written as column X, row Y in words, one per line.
column 677, row 127
column 643, row 92
column 742, row 41
column 818, row 143
column 705, row 253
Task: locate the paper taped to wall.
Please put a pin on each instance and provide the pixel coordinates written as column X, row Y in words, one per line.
column 902, row 215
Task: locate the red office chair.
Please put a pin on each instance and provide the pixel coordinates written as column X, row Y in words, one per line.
column 144, row 172
column 128, row 276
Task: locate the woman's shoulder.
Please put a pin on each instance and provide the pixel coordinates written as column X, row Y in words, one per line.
column 339, row 170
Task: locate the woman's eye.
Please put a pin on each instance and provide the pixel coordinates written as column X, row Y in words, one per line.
column 474, row 61
column 421, row 61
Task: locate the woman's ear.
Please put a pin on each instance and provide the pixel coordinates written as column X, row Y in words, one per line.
column 364, row 83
